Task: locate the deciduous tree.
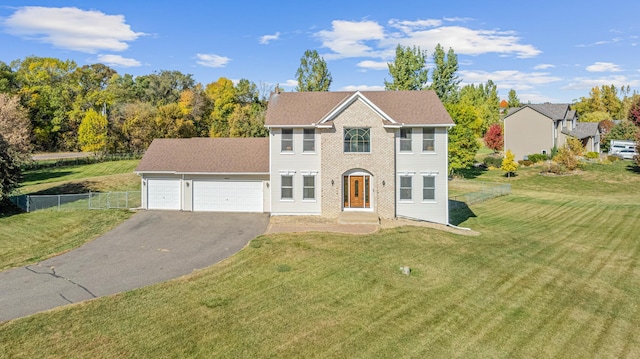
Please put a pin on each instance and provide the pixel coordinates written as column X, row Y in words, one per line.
column 444, row 78
column 512, row 99
column 408, row 70
column 462, row 141
column 634, row 111
column 494, row 138
column 15, row 127
column 9, row 170
column 92, row 134
column 223, row 95
column 313, row 74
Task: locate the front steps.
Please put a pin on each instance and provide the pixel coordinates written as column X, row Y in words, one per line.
column 358, row 218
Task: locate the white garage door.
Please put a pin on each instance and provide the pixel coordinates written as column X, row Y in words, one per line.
column 163, row 193
column 227, row 196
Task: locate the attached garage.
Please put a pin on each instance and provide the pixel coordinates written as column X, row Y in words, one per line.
column 206, row 175
column 163, row 193
column 227, row 196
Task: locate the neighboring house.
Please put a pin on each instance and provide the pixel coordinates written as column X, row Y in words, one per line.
column 383, row 152
column 539, row 128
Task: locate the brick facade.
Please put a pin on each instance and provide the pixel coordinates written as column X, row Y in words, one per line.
column 379, row 162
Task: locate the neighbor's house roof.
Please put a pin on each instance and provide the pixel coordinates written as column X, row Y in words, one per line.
column 583, row 130
column 554, row 111
column 206, row 155
column 399, row 107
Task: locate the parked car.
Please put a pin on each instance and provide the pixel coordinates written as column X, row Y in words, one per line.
column 626, row 154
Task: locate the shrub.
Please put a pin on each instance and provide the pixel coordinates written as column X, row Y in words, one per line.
column 537, row 157
column 555, row 169
column 525, row 163
column 592, row 155
column 566, row 158
column 493, row 161
column 612, row 158
column 509, row 165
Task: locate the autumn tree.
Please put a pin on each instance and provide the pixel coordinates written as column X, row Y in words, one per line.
column 223, row 95
column 462, row 140
column 494, row 138
column 164, row 87
column 408, row 70
column 7, row 79
column 9, row 170
column 604, row 100
column 634, row 112
column 92, row 134
column 137, row 121
column 624, row 130
column 444, row 79
column 313, row 74
column 509, row 164
column 15, row 127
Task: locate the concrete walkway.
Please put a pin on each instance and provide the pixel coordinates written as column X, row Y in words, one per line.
column 148, row 248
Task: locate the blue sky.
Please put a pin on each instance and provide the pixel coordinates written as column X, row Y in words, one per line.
column 552, row 51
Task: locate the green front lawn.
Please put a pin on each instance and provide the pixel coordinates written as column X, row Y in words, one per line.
column 555, row 273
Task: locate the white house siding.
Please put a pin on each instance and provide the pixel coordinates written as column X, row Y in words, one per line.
column 417, row 164
column 379, row 162
column 298, row 164
column 527, row 132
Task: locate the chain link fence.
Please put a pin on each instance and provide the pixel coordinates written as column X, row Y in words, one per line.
column 79, row 201
column 482, row 191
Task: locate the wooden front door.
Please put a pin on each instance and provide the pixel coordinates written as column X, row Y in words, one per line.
column 356, row 191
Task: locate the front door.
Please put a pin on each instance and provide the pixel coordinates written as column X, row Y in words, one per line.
column 356, row 189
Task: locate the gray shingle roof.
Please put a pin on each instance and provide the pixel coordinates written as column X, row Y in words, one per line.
column 583, row 130
column 555, row 111
column 206, row 155
column 309, row 108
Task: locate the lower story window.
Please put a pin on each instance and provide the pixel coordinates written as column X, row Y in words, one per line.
column 286, row 187
column 405, row 187
column 428, row 188
column 309, row 187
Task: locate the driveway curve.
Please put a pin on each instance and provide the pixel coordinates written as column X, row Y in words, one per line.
column 148, row 248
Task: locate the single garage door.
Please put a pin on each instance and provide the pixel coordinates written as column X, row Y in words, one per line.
column 227, row 196
column 163, row 193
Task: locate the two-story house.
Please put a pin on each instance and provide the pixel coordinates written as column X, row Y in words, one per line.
column 383, row 152
column 538, row 128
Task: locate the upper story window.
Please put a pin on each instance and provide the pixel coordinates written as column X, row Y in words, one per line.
column 428, row 139
column 287, row 140
column 405, row 140
column 357, row 140
column 309, row 140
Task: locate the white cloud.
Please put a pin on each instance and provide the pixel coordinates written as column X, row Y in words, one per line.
column 509, row 79
column 348, row 39
column 72, row 28
column 117, row 60
column 603, row 67
column 362, row 88
column 584, row 83
column 373, row 65
column 536, row 98
column 266, row 39
column 543, row 66
column 212, row 60
column 290, row 83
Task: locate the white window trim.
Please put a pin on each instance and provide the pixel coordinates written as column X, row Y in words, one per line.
column 405, row 175
column 292, row 141
column 304, row 140
column 434, row 141
column 409, row 139
column 430, row 175
column 287, row 199
column 315, row 187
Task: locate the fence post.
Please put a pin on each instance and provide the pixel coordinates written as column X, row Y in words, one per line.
column 126, row 199
column 89, row 199
column 28, row 203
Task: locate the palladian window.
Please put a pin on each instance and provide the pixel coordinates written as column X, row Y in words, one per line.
column 357, row 140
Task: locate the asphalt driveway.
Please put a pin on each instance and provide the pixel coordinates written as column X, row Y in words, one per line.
column 150, row 247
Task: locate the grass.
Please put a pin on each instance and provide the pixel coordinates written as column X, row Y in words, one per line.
column 555, row 273
column 98, row 177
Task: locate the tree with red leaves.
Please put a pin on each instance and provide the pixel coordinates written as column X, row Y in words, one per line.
column 494, row 139
column 634, row 112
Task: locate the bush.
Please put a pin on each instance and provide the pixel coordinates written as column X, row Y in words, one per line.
column 612, row 158
column 493, row 161
column 592, row 155
column 555, row 169
column 537, row 157
column 567, row 158
column 525, row 163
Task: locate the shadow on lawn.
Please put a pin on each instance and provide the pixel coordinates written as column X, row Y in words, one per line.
column 43, row 176
column 459, row 212
column 633, row 168
column 471, row 173
column 68, row 188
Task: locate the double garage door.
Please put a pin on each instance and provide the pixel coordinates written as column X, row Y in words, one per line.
column 207, row 195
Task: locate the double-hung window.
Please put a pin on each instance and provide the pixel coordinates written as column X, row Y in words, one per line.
column 428, row 139
column 286, row 187
column 405, row 140
column 405, row 188
column 287, row 140
column 428, row 188
column 309, row 140
column 357, row 140
column 309, row 187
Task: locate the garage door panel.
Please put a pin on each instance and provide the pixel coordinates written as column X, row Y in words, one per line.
column 163, row 193
column 228, row 196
